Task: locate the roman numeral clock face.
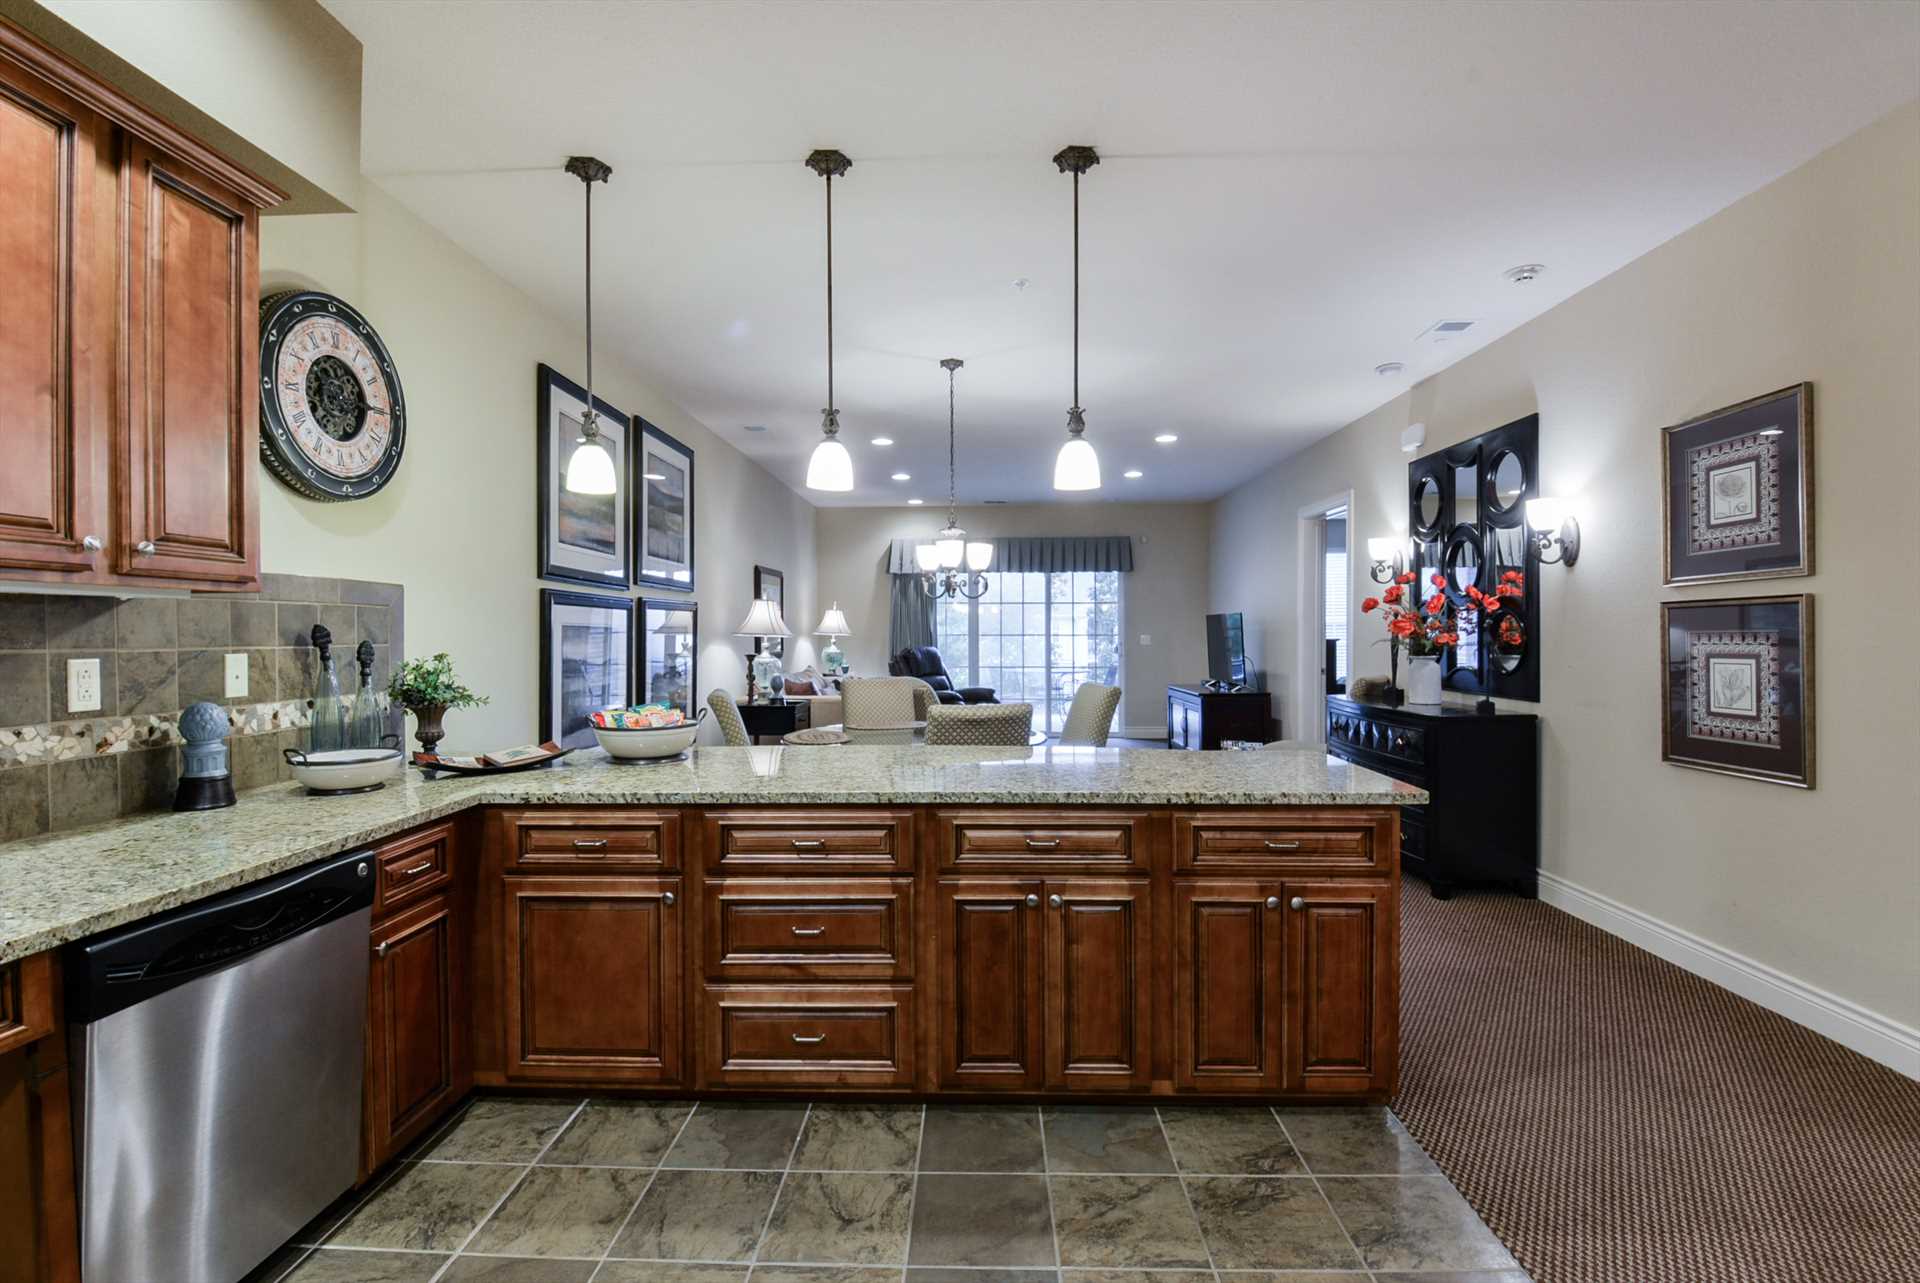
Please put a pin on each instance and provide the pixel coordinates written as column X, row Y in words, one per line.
column 332, row 419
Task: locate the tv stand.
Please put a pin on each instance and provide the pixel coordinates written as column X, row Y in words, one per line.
column 1199, row 716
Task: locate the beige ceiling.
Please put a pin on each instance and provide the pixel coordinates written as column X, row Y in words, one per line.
column 1290, row 195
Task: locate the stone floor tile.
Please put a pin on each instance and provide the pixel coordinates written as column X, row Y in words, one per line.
column 1269, row 1223
column 851, row 1218
column 516, row 1269
column 982, row 1138
column 867, row 1138
column 1084, row 1138
column 659, row 1272
column 618, row 1133
column 699, row 1216
column 1229, row 1142
column 1354, row 1142
column 1414, row 1223
column 426, row 1207
column 501, row 1130
column 982, row 1220
column 338, row 1265
column 738, row 1135
column 563, row 1211
column 1137, row 1221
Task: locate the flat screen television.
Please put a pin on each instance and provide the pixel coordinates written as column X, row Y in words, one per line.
column 1226, row 649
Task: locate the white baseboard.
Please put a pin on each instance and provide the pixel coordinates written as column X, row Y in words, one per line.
column 1893, row 1044
column 1158, row 731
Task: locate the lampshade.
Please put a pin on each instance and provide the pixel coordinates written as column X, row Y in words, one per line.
column 830, row 468
column 834, row 623
column 926, row 557
column 1546, row 515
column 979, row 555
column 590, row 469
column 951, row 552
column 676, row 622
column 1382, row 549
column 1076, row 467
column 763, row 620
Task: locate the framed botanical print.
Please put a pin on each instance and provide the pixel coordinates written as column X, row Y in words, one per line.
column 770, row 585
column 663, row 524
column 586, row 650
column 1736, row 684
column 670, row 653
column 1738, row 491
column 583, row 538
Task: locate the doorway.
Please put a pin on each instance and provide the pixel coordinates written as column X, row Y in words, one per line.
column 1324, row 615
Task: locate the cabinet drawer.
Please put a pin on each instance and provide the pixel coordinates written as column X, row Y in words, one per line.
column 26, row 1000
column 807, row 929
column 596, row 841
column 411, row 866
column 841, row 841
column 1348, row 841
column 837, row 1036
column 1043, row 839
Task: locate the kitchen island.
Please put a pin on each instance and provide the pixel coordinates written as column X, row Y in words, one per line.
column 951, row 922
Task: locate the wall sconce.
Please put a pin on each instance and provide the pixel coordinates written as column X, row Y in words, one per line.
column 1556, row 535
column 1385, row 554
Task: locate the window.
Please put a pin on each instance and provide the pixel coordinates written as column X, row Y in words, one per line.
column 1034, row 638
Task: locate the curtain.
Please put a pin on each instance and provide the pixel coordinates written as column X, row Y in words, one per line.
column 1044, row 554
column 912, row 614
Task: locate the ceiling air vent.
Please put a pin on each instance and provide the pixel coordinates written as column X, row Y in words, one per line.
column 1442, row 331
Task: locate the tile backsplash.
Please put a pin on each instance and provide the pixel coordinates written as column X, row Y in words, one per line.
column 60, row 769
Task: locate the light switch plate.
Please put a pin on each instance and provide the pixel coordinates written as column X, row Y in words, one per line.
column 236, row 675
column 1146, row 639
column 83, row 685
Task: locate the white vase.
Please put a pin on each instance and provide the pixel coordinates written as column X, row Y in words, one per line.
column 1423, row 679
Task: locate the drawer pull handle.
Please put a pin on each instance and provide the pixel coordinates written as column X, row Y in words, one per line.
column 1282, row 846
column 421, row 867
column 808, row 844
column 809, row 931
column 809, row 1039
column 589, row 844
column 1043, row 844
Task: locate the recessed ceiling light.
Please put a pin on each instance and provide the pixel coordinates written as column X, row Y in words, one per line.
column 1133, row 474
column 1021, row 283
column 883, row 441
column 1525, row 272
column 1166, row 438
column 754, row 427
column 915, row 503
column 903, row 476
column 1388, row 367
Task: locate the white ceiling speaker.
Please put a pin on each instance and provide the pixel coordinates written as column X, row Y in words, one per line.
column 1413, row 438
column 1525, row 272
column 1388, row 367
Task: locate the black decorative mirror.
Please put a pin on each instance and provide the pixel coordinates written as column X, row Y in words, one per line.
column 1466, row 506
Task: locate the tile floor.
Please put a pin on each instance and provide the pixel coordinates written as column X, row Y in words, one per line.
column 608, row 1191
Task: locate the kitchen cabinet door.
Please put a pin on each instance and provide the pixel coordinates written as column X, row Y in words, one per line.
column 1228, row 991
column 417, row 1066
column 988, row 952
column 1098, row 1011
column 52, row 482
column 593, row 979
column 185, row 495
column 1342, row 955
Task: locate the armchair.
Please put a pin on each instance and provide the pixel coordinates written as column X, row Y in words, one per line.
column 925, row 663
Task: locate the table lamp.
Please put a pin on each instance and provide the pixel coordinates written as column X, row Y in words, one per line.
column 763, row 621
column 833, row 626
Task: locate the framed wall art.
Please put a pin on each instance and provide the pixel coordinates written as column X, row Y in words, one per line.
column 583, row 538
column 670, row 653
column 1736, row 686
column 664, row 520
column 586, row 653
column 770, row 585
column 1738, row 491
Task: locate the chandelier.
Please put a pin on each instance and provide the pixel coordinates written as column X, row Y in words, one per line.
column 951, row 565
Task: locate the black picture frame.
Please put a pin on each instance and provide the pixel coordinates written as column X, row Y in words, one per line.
column 581, row 539
column 771, row 584
column 1756, row 459
column 643, row 651
column 1756, row 655
column 563, row 700
column 664, row 508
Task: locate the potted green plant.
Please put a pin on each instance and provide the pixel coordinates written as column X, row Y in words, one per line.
column 427, row 688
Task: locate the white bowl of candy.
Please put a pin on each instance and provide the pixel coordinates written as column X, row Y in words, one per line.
column 651, row 730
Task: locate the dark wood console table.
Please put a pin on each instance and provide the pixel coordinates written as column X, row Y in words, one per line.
column 1198, row 718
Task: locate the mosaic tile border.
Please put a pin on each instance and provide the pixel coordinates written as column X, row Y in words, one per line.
column 101, row 736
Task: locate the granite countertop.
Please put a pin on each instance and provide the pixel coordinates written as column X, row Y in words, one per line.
column 65, row 886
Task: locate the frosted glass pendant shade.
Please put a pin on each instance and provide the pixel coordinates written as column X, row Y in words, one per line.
column 950, row 552
column 926, row 557
column 979, row 555
column 590, row 470
column 1076, row 467
column 830, row 468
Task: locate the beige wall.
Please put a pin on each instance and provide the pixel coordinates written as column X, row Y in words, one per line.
column 1814, row 277
column 456, row 525
column 1165, row 597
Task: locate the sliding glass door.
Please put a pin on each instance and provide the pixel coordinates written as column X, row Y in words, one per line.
column 1034, row 638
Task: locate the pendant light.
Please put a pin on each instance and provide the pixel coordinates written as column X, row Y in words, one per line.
column 940, row 561
column 1076, row 467
column 831, row 467
column 590, row 470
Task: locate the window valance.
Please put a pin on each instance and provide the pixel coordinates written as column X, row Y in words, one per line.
column 1044, row 554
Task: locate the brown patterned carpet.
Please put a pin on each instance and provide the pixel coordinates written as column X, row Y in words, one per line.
column 1618, row 1120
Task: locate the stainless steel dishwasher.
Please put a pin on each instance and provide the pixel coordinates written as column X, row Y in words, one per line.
column 218, row 1055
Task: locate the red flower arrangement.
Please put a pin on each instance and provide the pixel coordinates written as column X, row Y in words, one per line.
column 1421, row 629
column 1497, row 608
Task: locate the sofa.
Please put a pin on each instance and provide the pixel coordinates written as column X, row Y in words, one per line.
column 925, row 663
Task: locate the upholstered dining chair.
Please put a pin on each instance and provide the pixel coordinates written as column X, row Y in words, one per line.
column 994, row 724
column 867, row 702
column 1090, row 717
column 727, row 713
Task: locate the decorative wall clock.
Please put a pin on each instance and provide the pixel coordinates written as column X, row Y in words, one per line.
column 333, row 421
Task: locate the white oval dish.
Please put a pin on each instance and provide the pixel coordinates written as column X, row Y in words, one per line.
column 344, row 770
column 650, row 741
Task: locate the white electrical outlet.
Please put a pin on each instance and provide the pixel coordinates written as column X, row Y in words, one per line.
column 236, row 675
column 1146, row 639
column 83, row 685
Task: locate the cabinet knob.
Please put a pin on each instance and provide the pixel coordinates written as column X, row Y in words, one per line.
column 1273, row 902
column 1055, row 901
column 92, row 543
column 666, row 897
column 1032, row 900
column 1296, row 903
column 380, row 950
column 145, row 548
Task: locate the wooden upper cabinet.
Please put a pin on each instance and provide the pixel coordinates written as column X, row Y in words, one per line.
column 50, row 486
column 186, row 505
